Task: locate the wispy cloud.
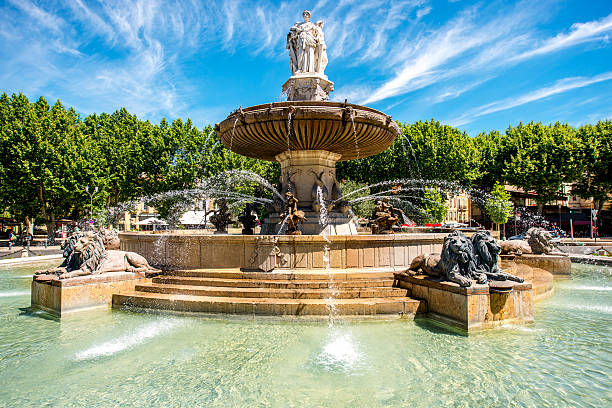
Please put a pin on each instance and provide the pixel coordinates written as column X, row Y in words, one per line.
column 144, row 54
column 562, row 85
column 464, row 35
column 579, row 33
column 465, row 45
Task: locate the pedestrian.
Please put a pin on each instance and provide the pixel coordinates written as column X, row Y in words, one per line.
column 12, row 239
column 27, row 240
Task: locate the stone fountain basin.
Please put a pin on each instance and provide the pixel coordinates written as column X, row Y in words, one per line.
column 294, row 252
column 260, row 131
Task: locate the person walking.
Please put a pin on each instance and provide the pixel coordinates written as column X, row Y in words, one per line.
column 12, row 238
column 27, row 240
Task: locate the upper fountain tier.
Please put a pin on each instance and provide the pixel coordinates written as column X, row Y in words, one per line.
column 307, row 121
column 264, row 131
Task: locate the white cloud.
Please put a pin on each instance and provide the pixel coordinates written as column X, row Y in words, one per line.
column 579, row 33
column 467, row 46
column 422, row 12
column 41, row 16
column 562, row 85
column 424, row 66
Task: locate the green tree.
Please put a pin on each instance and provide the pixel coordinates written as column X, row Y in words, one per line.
column 435, row 205
column 499, row 207
column 541, row 158
column 361, row 208
column 491, row 159
column 426, row 150
column 596, row 179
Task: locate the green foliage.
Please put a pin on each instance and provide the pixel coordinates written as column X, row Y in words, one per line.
column 427, row 150
column 499, row 207
column 435, row 206
column 596, row 179
column 541, row 158
column 50, row 154
column 362, row 209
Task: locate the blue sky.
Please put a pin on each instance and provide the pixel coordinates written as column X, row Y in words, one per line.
column 476, row 65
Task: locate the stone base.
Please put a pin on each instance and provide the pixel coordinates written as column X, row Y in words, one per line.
column 84, row 292
column 308, row 87
column 302, row 252
column 470, row 309
column 558, row 265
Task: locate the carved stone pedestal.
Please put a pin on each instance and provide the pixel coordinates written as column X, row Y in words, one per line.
column 264, row 254
column 311, row 176
column 303, row 170
column 84, row 292
column 308, row 87
column 474, row 308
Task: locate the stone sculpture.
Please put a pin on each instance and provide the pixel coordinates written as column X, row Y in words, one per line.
column 110, row 237
column 320, row 193
column 291, row 215
column 221, row 217
column 306, row 45
column 385, row 218
column 455, row 264
column 514, row 247
column 249, row 219
column 540, row 241
column 307, row 60
column 486, row 253
column 85, row 254
column 463, row 260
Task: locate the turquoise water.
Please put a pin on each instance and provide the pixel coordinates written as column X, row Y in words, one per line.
column 114, row 358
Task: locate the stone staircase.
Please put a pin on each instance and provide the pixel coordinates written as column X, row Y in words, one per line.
column 347, row 293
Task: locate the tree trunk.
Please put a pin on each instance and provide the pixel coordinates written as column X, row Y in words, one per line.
column 29, row 225
column 540, row 208
column 600, row 205
column 50, row 222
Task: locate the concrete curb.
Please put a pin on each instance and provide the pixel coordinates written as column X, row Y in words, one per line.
column 591, row 259
column 29, row 259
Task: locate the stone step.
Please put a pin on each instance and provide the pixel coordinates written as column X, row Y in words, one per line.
column 397, row 306
column 273, row 283
column 339, row 274
column 341, row 293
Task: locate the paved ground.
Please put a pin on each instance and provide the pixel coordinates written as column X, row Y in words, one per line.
column 16, row 252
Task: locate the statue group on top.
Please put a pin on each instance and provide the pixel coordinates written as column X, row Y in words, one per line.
column 385, row 218
column 306, row 45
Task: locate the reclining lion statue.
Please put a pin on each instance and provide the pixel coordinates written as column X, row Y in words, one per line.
column 464, row 260
column 540, row 241
column 486, row 252
column 456, row 263
column 515, row 247
column 85, row 254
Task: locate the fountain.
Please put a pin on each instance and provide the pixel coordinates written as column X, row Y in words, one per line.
column 309, row 258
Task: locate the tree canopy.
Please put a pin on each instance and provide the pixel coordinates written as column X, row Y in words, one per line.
column 50, row 154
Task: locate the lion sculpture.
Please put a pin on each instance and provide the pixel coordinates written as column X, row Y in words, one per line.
column 515, row 247
column 486, row 252
column 85, row 254
column 464, row 260
column 540, row 241
column 456, row 263
column 110, row 238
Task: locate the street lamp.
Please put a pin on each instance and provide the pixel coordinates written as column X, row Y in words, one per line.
column 91, row 196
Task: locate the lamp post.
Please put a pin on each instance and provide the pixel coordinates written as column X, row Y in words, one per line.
column 91, row 196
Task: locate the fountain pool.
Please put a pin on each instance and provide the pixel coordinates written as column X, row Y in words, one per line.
column 119, row 358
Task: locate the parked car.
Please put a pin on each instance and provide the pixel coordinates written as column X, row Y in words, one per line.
column 519, row 236
column 454, row 225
